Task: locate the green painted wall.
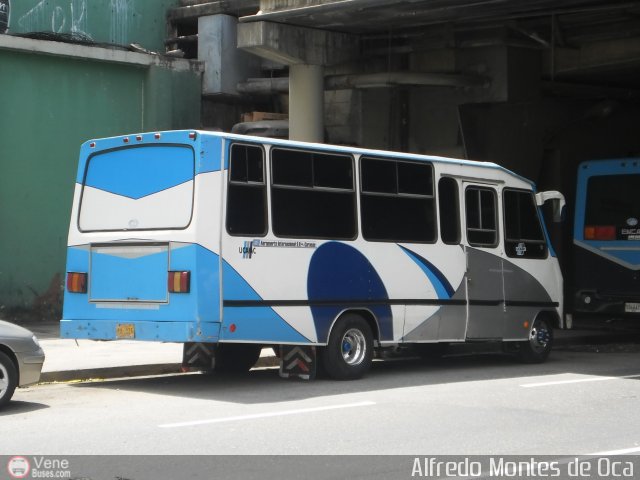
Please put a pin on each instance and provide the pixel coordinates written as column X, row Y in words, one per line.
column 120, row 22
column 49, row 106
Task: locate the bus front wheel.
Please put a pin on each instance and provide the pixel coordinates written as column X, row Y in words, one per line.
column 349, row 353
column 538, row 347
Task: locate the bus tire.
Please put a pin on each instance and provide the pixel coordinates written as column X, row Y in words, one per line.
column 540, row 343
column 236, row 357
column 349, row 352
column 8, row 379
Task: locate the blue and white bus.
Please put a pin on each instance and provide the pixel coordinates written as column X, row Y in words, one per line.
column 607, row 238
column 236, row 242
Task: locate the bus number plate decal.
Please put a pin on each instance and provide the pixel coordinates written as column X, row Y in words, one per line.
column 125, row 330
column 632, row 307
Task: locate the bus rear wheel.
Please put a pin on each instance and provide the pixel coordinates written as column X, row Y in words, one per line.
column 349, row 353
column 236, row 357
column 538, row 347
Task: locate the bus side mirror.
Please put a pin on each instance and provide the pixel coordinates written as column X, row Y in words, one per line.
column 558, row 203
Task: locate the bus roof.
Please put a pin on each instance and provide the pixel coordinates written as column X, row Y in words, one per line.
column 183, row 135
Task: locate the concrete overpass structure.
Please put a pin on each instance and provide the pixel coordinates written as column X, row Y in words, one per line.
column 535, row 85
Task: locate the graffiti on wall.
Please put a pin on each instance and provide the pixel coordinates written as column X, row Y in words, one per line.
column 113, row 21
column 5, row 7
column 57, row 17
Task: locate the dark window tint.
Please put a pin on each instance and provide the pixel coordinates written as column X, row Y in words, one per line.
column 415, row 178
column 312, row 194
column 247, row 164
column 293, row 168
column 523, row 230
column 397, row 201
column 612, row 200
column 449, row 210
column 246, row 193
column 481, row 212
column 379, row 176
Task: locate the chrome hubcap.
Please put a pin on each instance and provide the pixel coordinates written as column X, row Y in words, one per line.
column 354, row 347
column 540, row 336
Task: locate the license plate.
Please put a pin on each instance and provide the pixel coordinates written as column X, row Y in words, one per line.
column 125, row 330
column 632, row 307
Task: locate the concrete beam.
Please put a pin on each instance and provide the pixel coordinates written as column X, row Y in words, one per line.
column 267, row 86
column 201, row 8
column 84, row 52
column 594, row 57
column 292, row 45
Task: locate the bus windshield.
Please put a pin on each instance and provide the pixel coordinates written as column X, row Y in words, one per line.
column 613, row 202
column 138, row 188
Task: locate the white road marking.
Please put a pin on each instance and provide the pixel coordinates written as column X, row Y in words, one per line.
column 577, row 380
column 266, row 415
column 625, row 451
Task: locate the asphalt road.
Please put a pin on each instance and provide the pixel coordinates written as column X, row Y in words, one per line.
column 583, row 400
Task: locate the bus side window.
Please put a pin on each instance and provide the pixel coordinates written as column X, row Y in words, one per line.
column 523, row 232
column 449, row 210
column 312, row 194
column 481, row 213
column 397, row 202
column 246, row 193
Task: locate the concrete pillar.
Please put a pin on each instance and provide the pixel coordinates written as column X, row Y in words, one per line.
column 306, row 103
column 306, row 51
column 226, row 65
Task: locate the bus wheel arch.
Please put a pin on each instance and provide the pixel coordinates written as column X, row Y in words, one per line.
column 349, row 350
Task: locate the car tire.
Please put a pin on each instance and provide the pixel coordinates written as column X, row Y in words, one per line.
column 8, row 379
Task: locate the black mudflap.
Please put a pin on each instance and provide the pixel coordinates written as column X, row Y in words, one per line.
column 198, row 356
column 298, row 362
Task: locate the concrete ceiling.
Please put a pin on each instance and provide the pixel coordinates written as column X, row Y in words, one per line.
column 595, row 42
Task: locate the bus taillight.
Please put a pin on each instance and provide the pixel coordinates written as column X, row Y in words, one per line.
column 179, row 282
column 76, row 282
column 600, row 232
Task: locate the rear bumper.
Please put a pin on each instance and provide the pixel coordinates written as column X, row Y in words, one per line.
column 589, row 301
column 142, row 330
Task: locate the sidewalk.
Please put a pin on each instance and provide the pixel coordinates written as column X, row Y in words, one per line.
column 68, row 360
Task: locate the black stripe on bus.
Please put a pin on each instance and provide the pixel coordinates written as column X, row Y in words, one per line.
column 528, row 303
column 349, row 303
column 373, row 303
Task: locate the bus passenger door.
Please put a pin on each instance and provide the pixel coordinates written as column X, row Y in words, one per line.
column 483, row 248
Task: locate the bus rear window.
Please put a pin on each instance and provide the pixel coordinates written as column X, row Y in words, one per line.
column 139, row 188
column 613, row 207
